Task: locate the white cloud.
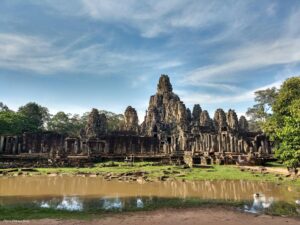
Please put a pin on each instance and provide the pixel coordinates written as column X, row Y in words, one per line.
column 40, row 55
column 153, row 18
column 238, row 97
column 26, row 52
column 255, row 56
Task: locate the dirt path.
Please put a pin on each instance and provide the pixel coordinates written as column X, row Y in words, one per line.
column 209, row 216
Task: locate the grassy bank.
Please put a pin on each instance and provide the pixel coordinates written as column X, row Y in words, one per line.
column 155, row 171
column 34, row 212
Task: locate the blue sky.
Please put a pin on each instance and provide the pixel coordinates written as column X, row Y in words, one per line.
column 108, row 54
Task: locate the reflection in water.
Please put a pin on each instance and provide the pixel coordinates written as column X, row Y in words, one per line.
column 139, row 203
column 109, row 204
column 80, row 204
column 260, row 202
column 98, row 187
column 87, row 193
column 67, row 203
column 70, row 204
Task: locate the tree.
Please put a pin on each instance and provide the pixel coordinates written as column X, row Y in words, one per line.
column 289, row 135
column 283, row 127
column 3, row 107
column 261, row 111
column 36, row 115
column 66, row 124
column 114, row 121
column 12, row 123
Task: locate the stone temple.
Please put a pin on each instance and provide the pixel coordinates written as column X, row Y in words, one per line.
column 170, row 131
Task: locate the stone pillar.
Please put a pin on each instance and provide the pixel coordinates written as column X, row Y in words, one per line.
column 76, row 147
column 106, row 148
column 239, row 146
column 14, row 144
column 220, row 143
column 66, row 146
column 228, row 149
column 242, row 146
column 24, row 143
column 268, row 148
column 263, row 149
column 231, row 144
column 7, row 146
column 19, row 147
column 1, row 144
column 223, row 143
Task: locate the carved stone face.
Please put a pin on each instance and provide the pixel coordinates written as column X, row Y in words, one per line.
column 164, row 85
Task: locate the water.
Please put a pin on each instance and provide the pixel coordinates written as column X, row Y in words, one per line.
column 74, row 193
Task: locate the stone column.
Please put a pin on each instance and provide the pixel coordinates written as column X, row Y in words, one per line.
column 242, row 146
column 263, row 149
column 219, row 138
column 24, row 143
column 1, row 144
column 239, row 146
column 231, row 144
column 66, row 146
column 14, row 144
column 76, row 147
column 223, row 138
column 19, row 147
column 106, row 148
column 228, row 144
column 7, row 146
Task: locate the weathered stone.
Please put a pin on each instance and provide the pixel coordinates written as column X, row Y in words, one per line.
column 243, row 124
column 205, row 120
column 196, row 112
column 131, row 120
column 232, row 120
column 188, row 115
column 164, row 85
column 220, row 120
column 96, row 124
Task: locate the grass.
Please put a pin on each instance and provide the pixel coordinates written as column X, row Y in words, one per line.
column 217, row 172
column 34, row 212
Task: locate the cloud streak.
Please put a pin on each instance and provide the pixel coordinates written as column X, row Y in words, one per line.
column 21, row 52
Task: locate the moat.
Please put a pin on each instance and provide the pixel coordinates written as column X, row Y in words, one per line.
column 75, row 193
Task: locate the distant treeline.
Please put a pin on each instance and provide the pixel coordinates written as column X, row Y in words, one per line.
column 33, row 117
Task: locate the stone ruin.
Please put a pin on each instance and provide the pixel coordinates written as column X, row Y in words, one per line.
column 169, row 131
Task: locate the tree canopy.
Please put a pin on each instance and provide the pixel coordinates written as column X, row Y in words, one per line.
column 262, row 110
column 283, row 126
column 33, row 117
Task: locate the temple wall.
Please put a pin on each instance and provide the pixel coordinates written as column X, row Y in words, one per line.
column 118, row 144
column 226, row 142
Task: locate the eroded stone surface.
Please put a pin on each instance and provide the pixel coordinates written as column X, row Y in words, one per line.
column 96, row 124
column 131, row 120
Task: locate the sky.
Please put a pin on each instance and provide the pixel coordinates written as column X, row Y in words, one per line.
column 80, row 54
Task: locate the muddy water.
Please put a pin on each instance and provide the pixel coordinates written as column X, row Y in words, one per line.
column 93, row 187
